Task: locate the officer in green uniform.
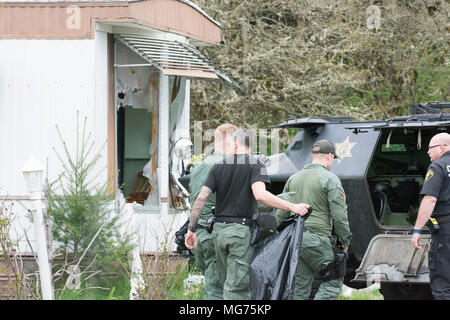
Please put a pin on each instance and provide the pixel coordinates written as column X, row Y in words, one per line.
column 204, row 253
column 239, row 182
column 322, row 189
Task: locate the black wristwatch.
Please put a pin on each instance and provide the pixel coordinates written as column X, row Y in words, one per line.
column 193, row 228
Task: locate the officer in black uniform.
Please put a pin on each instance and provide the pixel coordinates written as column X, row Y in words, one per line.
column 435, row 210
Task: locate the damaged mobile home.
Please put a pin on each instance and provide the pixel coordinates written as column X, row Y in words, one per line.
column 124, row 65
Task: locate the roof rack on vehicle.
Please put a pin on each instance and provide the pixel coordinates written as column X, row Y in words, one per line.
column 430, row 107
column 311, row 121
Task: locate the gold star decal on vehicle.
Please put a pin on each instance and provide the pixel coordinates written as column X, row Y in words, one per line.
column 343, row 149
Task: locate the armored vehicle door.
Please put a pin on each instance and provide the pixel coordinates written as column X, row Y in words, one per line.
column 392, row 258
column 400, row 269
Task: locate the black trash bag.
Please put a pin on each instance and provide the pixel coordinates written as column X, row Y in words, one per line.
column 272, row 272
column 265, row 220
column 264, row 226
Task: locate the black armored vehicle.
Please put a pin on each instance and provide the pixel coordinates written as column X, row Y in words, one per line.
column 382, row 167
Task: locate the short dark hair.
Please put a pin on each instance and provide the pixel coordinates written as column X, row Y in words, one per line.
column 244, row 137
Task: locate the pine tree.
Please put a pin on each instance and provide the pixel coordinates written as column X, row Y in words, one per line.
column 82, row 220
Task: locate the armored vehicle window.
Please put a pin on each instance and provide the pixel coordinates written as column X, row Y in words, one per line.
column 297, row 145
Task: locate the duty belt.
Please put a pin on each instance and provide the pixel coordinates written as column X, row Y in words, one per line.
column 435, row 222
column 443, row 219
column 244, row 221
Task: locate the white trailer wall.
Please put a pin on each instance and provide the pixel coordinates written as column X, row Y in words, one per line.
column 44, row 83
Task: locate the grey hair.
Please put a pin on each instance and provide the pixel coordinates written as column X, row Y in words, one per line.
column 244, row 137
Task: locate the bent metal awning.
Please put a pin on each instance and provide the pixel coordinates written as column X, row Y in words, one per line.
column 174, row 58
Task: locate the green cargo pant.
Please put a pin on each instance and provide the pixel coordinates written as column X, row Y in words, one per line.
column 315, row 254
column 234, row 254
column 205, row 259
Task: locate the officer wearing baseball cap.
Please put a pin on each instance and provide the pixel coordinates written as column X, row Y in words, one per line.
column 324, row 147
column 322, row 189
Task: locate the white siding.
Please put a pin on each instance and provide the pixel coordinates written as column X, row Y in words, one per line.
column 43, row 83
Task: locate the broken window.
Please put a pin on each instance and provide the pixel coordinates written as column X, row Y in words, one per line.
column 137, row 83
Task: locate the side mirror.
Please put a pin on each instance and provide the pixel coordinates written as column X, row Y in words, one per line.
column 183, row 149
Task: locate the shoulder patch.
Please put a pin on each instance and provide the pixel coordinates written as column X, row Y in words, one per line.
column 429, row 175
column 342, row 197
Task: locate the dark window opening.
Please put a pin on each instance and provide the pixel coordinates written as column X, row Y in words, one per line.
column 395, row 175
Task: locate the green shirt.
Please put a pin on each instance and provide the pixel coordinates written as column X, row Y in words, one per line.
column 322, row 189
column 197, row 179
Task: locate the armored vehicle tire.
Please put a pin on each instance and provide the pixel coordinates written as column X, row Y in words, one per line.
column 400, row 291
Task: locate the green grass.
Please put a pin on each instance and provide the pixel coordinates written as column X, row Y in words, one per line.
column 364, row 295
column 179, row 292
column 117, row 288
